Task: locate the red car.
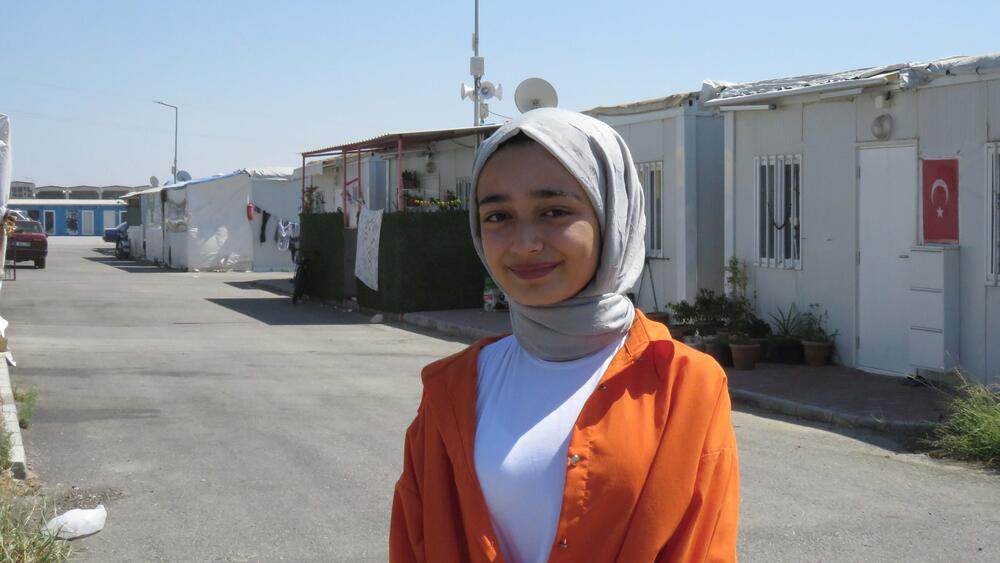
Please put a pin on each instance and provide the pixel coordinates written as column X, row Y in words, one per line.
column 28, row 242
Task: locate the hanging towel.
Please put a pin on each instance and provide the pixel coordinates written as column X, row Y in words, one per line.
column 263, row 226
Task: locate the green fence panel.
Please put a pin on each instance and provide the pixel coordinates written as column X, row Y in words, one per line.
column 321, row 238
column 426, row 262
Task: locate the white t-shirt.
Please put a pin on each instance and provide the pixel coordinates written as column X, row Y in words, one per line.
column 525, row 412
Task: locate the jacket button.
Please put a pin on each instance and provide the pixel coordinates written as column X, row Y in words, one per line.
column 564, row 544
column 574, row 459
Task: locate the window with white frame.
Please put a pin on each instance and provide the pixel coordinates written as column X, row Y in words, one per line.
column 993, row 213
column 651, row 178
column 778, row 196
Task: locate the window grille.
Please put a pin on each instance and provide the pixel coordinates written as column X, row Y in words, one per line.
column 651, row 177
column 778, row 198
column 463, row 185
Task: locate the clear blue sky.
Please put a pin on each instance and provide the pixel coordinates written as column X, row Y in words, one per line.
column 260, row 81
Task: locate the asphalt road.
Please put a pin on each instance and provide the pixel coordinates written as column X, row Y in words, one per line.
column 220, row 423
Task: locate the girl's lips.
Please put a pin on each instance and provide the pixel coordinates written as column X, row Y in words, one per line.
column 533, row 271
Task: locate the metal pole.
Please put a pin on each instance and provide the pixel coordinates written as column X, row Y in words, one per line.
column 175, row 144
column 175, row 134
column 477, row 80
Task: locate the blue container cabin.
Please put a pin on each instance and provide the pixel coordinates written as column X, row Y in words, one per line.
column 72, row 217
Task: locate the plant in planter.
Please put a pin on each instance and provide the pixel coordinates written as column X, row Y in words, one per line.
column 684, row 315
column 785, row 346
column 817, row 343
column 711, row 310
column 745, row 352
column 718, row 348
column 758, row 331
column 696, row 342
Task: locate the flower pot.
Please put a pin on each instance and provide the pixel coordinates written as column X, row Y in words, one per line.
column 761, row 348
column 680, row 331
column 785, row 351
column 719, row 349
column 744, row 355
column 817, row 353
column 706, row 328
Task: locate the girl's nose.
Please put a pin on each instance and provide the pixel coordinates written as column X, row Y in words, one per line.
column 527, row 239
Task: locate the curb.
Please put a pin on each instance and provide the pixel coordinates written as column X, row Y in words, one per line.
column 18, row 461
column 906, row 431
column 445, row 327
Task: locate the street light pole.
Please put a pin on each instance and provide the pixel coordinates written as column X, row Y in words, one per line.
column 174, row 171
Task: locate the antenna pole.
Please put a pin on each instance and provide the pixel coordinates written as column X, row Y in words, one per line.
column 477, row 78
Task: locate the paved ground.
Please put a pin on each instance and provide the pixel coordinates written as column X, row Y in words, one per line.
column 892, row 405
column 219, row 422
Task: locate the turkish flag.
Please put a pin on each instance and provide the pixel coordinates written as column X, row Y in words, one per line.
column 940, row 199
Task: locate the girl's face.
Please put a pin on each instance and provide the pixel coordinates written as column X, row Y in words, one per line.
column 540, row 234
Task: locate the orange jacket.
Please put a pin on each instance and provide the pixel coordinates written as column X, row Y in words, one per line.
column 651, row 472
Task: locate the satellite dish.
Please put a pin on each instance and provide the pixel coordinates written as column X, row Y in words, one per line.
column 535, row 93
column 467, row 91
column 154, row 182
column 183, row 176
column 488, row 91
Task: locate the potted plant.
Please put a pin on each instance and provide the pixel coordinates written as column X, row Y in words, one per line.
column 817, row 343
column 718, row 347
column 785, row 346
column 758, row 331
column 696, row 342
column 710, row 311
column 744, row 350
column 681, row 321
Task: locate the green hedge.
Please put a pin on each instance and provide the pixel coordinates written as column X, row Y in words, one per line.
column 322, row 241
column 426, row 262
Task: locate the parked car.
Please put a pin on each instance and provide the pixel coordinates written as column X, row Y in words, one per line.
column 112, row 235
column 28, row 242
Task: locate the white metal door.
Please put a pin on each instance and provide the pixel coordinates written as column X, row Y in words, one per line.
column 88, row 222
column 109, row 219
column 887, row 230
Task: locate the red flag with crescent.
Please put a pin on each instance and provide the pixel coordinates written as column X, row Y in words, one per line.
column 940, row 200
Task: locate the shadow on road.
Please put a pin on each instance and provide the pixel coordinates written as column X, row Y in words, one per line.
column 256, row 284
column 273, row 311
column 130, row 266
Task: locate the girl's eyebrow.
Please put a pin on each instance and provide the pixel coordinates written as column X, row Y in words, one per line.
column 544, row 193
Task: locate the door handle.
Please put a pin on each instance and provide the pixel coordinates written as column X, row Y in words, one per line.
column 904, row 255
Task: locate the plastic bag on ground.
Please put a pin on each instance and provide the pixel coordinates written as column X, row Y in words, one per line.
column 77, row 523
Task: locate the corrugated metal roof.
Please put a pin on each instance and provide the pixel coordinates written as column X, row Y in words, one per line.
column 655, row 104
column 389, row 140
column 908, row 75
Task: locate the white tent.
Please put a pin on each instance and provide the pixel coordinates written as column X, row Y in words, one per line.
column 204, row 224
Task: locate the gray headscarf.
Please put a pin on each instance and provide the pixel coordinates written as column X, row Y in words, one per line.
column 599, row 159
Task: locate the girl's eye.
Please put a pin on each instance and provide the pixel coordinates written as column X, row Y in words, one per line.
column 494, row 217
column 556, row 212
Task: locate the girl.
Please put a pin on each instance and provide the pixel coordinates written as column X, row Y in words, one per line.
column 589, row 434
